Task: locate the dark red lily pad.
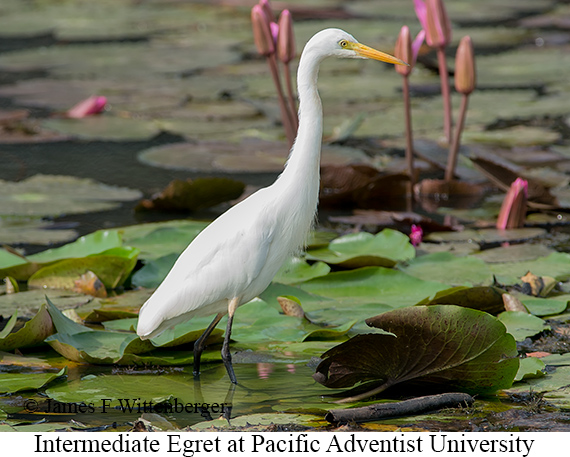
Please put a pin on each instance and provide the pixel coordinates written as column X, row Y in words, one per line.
column 445, row 346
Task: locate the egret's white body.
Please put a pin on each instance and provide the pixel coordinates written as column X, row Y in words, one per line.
column 235, row 258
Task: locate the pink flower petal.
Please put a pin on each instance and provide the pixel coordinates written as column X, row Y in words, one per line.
column 417, row 235
column 92, row 105
column 416, row 45
column 421, row 12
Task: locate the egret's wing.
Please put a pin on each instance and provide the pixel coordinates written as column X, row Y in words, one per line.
column 218, row 265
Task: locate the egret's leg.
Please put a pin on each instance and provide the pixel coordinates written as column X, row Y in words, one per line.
column 200, row 343
column 226, row 356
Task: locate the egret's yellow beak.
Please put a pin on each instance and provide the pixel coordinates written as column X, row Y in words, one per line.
column 370, row 53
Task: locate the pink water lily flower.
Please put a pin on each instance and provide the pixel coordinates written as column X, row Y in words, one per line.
column 92, row 105
column 417, row 235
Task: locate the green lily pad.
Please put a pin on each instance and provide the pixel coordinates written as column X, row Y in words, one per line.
column 514, row 253
column 17, row 382
column 522, row 325
column 107, row 60
column 33, row 333
column 445, row 267
column 544, row 306
column 123, row 306
column 439, row 345
column 94, row 243
column 46, row 195
column 165, row 241
column 154, row 272
column 487, row 235
column 33, row 231
column 555, row 265
column 82, row 344
column 364, row 249
column 372, row 285
column 98, row 347
column 29, row 302
column 530, row 367
column 248, row 156
column 112, row 270
column 104, row 127
column 297, row 270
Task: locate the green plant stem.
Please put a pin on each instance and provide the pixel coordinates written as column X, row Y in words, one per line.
column 454, row 149
column 409, row 135
column 290, row 131
column 445, row 93
column 291, row 96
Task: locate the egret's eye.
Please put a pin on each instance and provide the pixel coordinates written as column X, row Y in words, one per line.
column 343, row 43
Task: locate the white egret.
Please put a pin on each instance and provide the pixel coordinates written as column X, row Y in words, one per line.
column 235, row 258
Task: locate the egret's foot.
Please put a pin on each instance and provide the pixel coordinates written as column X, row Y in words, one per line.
column 231, row 374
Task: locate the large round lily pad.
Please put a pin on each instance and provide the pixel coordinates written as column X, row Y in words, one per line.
column 250, row 155
column 50, row 195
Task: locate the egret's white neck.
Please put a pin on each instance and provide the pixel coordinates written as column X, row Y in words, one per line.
column 304, row 159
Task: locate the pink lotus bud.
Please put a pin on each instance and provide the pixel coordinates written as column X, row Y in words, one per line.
column 267, row 10
column 417, row 235
column 92, row 105
column 286, row 38
column 465, row 67
column 438, row 30
column 262, row 31
column 513, row 209
column 407, row 51
column 403, row 51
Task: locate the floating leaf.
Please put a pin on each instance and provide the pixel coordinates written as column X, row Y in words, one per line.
column 445, row 267
column 364, row 249
column 83, row 344
column 544, row 306
column 487, row 235
column 376, row 285
column 33, row 333
column 522, row 325
column 530, row 367
column 47, row 195
column 297, row 270
column 94, row 243
column 161, row 240
column 555, row 265
column 154, row 272
column 17, row 382
column 442, row 345
column 193, row 195
column 483, row 298
column 111, row 269
column 29, row 302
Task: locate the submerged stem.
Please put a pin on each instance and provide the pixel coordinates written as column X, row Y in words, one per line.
column 454, row 149
column 445, row 93
column 290, row 130
column 409, row 134
column 291, row 96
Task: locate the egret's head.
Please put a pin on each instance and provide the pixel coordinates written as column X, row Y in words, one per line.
column 336, row 42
